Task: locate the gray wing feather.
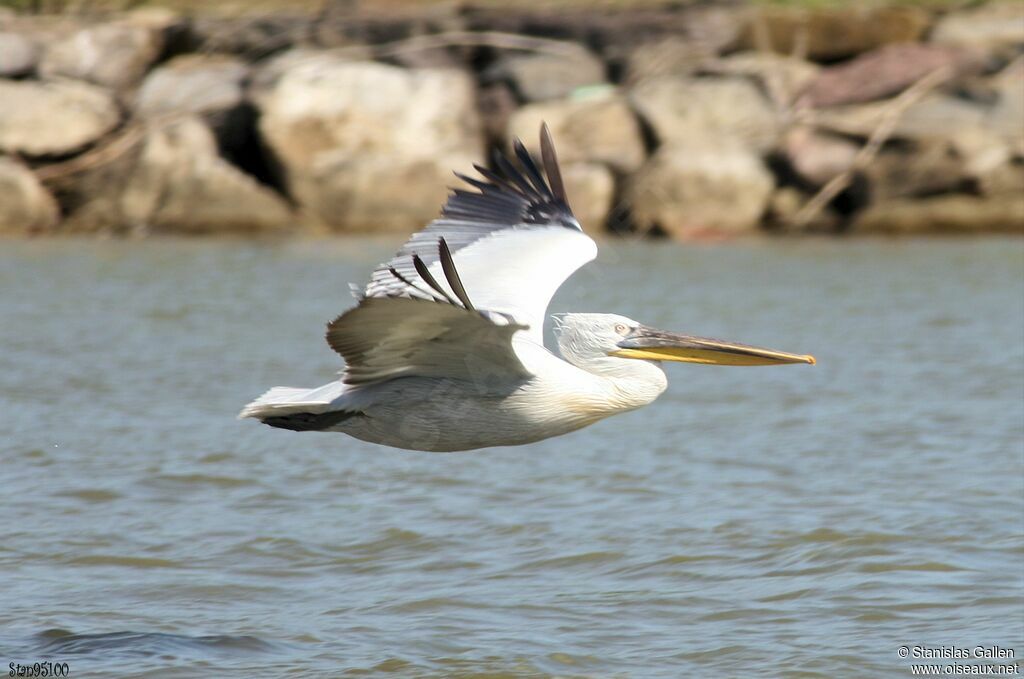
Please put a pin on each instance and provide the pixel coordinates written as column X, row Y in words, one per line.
column 388, row 337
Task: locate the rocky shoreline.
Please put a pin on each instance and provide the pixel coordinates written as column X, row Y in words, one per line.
column 715, row 119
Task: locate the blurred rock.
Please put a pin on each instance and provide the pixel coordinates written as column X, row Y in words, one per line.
column 781, row 76
column 830, row 33
column 181, row 185
column 597, row 129
column 546, row 76
column 887, row 71
column 173, row 182
column 936, row 115
column 193, row 84
column 266, row 73
column 25, row 206
column 784, row 205
column 948, row 213
column 18, row 55
column 115, row 55
column 53, row 118
column 254, row 36
column 701, row 187
column 688, row 109
column 591, row 190
column 990, row 26
column 366, row 146
column 815, row 157
column 1006, row 117
column 922, row 169
column 1003, row 179
column 666, row 57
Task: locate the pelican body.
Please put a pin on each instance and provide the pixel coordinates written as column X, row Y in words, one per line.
column 444, row 350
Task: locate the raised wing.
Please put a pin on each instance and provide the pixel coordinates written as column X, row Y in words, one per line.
column 513, row 242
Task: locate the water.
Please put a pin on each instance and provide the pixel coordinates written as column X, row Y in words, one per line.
column 798, row 521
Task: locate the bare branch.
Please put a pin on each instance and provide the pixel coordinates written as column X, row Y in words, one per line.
column 886, row 125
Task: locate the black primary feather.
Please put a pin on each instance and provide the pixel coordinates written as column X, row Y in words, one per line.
column 452, row 274
column 425, row 274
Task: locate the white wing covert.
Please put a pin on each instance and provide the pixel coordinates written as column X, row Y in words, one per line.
column 448, row 303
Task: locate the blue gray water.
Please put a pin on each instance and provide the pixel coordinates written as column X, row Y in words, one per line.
column 797, row 520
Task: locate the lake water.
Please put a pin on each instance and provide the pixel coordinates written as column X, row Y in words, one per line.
column 797, row 520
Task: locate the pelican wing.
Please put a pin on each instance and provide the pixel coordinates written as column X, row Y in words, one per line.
column 513, row 241
column 388, row 337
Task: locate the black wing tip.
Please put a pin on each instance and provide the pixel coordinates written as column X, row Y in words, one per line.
column 515, row 190
column 550, row 160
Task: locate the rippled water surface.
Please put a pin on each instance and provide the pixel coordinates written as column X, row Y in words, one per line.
column 799, row 521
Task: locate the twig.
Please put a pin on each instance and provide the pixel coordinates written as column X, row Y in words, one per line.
column 890, row 117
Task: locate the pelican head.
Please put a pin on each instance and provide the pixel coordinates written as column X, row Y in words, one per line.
column 600, row 342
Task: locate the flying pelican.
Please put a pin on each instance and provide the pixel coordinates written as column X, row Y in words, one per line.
column 444, row 350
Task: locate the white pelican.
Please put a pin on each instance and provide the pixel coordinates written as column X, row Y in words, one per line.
column 444, row 350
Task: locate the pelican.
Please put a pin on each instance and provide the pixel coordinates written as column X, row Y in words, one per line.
column 444, row 350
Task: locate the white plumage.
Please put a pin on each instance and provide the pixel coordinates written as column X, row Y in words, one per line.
column 444, row 350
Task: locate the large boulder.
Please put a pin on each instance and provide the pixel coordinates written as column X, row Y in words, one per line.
column 366, row 146
column 193, row 84
column 18, row 55
column 689, row 109
column 174, row 181
column 701, row 187
column 545, row 76
column 53, row 118
column 991, row 26
column 816, row 157
column 665, row 57
column 595, row 129
column 591, row 191
column 936, row 115
column 781, row 75
column 916, row 170
column 887, row 71
column 25, row 206
column 115, row 55
column 1006, row 117
column 831, row 33
column 952, row 213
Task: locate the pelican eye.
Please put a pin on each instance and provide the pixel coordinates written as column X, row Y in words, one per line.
column 621, row 329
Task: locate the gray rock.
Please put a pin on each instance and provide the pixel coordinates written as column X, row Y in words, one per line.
column 174, row 181
column 665, row 57
column 25, row 205
column 18, row 55
column 921, row 170
column 193, row 84
column 689, row 109
column 1006, row 117
column 991, row 26
column 115, row 55
column 182, row 185
column 944, row 214
column 596, row 129
column 591, row 191
column 53, row 118
column 935, row 116
column 699, row 188
column 542, row 77
column 781, row 76
column 366, row 146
